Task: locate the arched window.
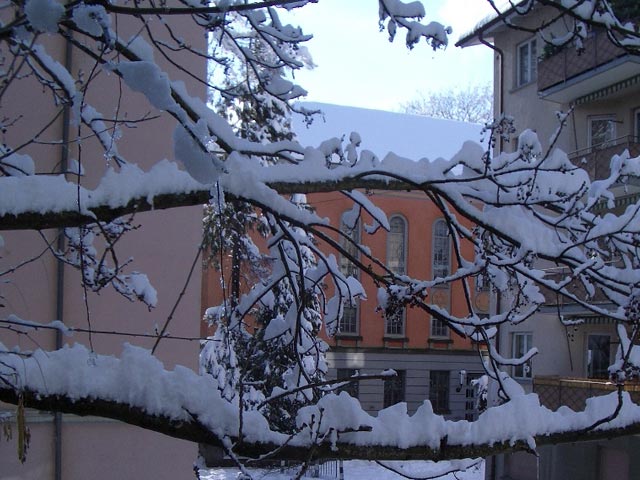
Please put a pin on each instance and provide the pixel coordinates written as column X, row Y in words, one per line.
column 350, row 228
column 397, row 263
column 440, row 264
column 440, row 249
column 397, row 245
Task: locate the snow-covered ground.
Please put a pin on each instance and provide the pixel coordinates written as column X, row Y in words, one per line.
column 364, row 470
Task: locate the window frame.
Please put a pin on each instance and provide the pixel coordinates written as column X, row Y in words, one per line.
column 402, row 317
column 394, row 389
column 471, row 396
column 531, row 57
column 356, row 320
column 434, row 238
column 439, row 329
column 440, row 391
column 440, row 233
column 524, row 371
column 611, row 118
column 604, row 372
column 402, row 270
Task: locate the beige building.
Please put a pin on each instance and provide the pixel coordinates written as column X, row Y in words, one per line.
column 600, row 89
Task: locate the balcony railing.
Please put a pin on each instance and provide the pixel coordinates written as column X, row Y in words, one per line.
column 596, row 159
column 575, row 287
column 555, row 392
column 565, row 64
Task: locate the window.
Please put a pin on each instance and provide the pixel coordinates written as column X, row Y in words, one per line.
column 439, row 391
column 602, row 130
column 472, row 397
column 439, row 328
column 598, row 356
column 522, row 343
column 349, row 321
column 394, row 324
column 527, row 62
column 394, row 389
column 441, row 297
column 350, row 228
column 440, row 249
column 397, row 245
column 352, row 388
column 636, row 123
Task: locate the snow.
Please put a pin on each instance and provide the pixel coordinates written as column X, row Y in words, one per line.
column 397, row 8
column 411, row 136
column 17, row 164
column 199, row 164
column 54, row 193
column 142, row 288
column 147, row 78
column 364, row 470
column 139, row 379
column 44, row 15
column 92, row 19
column 37, row 194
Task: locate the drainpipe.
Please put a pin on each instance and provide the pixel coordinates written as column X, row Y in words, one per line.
column 500, row 106
column 64, row 165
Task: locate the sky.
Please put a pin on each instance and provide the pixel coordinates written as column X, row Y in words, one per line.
column 358, row 66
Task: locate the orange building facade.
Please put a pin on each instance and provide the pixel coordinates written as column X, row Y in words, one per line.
column 432, row 362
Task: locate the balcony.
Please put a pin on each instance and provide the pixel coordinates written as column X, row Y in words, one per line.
column 596, row 159
column 566, row 76
column 555, row 392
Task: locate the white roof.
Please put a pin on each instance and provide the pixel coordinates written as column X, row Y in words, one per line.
column 410, row 136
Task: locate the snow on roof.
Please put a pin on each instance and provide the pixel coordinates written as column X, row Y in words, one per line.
column 487, row 23
column 410, row 136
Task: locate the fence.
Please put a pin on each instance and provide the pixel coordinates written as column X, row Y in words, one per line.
column 327, row 469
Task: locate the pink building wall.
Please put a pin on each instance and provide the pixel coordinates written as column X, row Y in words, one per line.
column 164, row 248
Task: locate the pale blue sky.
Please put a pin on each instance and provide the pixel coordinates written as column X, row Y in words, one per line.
column 358, row 66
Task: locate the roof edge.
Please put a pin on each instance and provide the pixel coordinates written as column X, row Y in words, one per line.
column 487, row 25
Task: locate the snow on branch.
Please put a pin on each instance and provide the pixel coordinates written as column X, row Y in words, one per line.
column 137, row 390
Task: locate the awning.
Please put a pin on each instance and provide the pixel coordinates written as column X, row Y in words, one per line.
column 611, row 89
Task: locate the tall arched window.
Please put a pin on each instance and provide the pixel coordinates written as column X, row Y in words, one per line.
column 441, row 249
column 397, row 245
column 350, row 228
column 397, row 263
column 440, row 264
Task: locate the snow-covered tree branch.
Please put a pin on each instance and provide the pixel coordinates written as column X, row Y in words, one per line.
column 336, row 427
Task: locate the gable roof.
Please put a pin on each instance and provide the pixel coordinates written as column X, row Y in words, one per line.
column 410, row 136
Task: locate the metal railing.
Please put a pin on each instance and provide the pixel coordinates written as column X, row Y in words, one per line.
column 575, row 287
column 555, row 392
column 626, row 141
column 567, row 63
column 327, row 469
column 597, row 158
